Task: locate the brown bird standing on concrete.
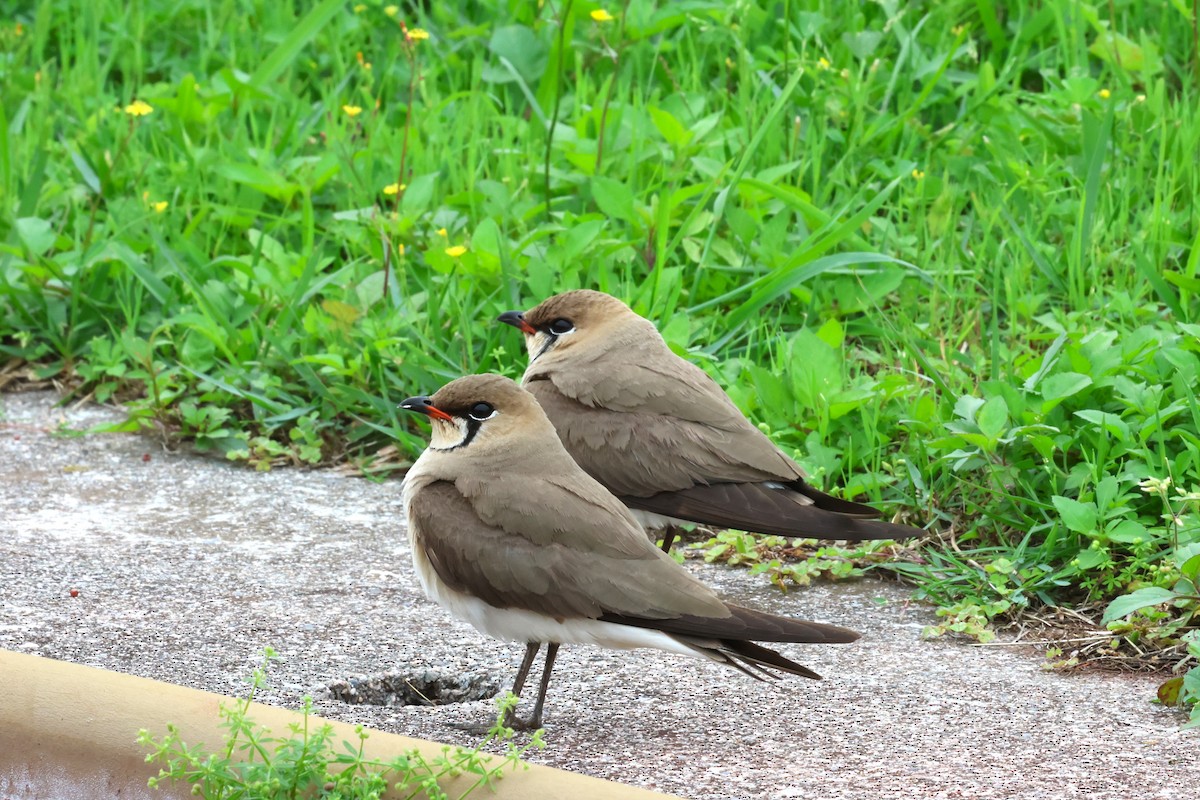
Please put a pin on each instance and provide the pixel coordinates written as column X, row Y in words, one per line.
column 509, row 534
column 662, row 436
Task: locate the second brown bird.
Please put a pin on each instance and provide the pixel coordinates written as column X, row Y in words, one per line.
column 662, row 436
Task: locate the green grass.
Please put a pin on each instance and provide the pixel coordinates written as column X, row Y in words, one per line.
column 307, row 762
column 947, row 252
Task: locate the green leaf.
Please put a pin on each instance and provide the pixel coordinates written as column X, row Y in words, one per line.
column 85, row 170
column 670, row 128
column 579, row 238
column 1169, row 691
column 487, row 244
column 522, row 49
column 1064, row 384
column 1128, row 531
column 1120, row 51
column 287, row 50
column 613, row 198
column 1126, row 604
column 418, row 196
column 269, row 182
column 832, row 333
column 1188, row 559
column 1077, row 516
column 863, row 43
column 1110, row 423
column 992, row 419
column 36, row 234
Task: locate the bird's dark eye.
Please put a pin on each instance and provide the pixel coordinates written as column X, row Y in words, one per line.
column 481, row 411
column 561, row 326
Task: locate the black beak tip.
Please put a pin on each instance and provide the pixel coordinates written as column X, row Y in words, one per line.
column 514, row 318
column 420, row 404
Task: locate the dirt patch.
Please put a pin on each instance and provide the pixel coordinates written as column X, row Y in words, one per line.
column 427, row 687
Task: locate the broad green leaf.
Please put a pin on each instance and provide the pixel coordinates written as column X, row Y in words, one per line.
column 580, row 237
column 613, row 198
column 1122, row 52
column 36, row 234
column 521, row 48
column 1188, row 559
column 992, row 419
column 862, row 44
column 1169, row 691
column 1110, row 423
column 832, row 333
column 344, row 313
column 1126, row 604
column 1128, row 531
column 1077, row 516
column 418, row 196
column 1064, row 384
column 269, row 182
column 675, row 134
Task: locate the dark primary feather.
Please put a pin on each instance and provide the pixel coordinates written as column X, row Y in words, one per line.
column 743, row 624
column 765, row 509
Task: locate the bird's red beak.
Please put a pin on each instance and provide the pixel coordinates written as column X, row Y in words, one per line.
column 423, row 405
column 517, row 320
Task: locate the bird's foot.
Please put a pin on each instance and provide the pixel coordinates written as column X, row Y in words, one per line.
column 473, row 728
column 511, row 720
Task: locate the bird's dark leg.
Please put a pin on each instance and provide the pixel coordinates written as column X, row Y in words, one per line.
column 536, row 720
column 669, row 534
column 531, row 651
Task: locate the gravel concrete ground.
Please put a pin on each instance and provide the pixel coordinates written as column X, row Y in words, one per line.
column 186, row 567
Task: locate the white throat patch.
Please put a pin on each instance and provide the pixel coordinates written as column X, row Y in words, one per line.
column 448, row 434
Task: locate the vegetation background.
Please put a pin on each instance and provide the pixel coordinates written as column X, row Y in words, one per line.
column 947, row 252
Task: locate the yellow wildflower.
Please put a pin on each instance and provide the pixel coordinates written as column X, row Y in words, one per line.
column 391, row 11
column 1105, row 94
column 400, row 250
column 160, row 206
column 918, row 174
column 418, row 34
column 352, row 111
column 600, row 15
column 442, row 232
column 456, row 251
column 823, row 63
column 362, row 62
column 395, row 188
column 138, row 108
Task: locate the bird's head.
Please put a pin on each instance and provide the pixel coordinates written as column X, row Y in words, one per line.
column 571, row 323
column 478, row 414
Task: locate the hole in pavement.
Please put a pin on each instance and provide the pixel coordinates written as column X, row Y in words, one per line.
column 428, row 687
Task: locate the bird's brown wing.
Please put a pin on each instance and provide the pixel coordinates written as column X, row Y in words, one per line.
column 643, row 452
column 688, row 470
column 507, row 569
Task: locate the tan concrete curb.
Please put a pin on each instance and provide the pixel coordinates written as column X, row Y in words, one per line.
column 69, row 732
